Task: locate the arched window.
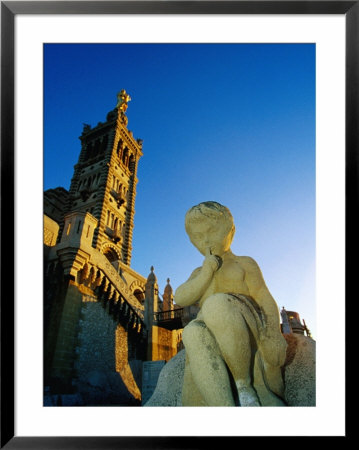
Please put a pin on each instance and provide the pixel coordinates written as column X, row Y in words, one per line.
column 97, row 148
column 119, row 148
column 104, row 143
column 139, row 295
column 125, row 156
column 111, row 255
column 89, row 151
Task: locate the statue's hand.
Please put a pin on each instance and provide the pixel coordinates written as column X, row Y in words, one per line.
column 211, row 262
column 273, row 349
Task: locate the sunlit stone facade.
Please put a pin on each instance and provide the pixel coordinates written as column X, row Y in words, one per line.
column 96, row 330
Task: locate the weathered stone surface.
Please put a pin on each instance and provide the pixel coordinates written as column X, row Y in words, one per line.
column 51, row 230
column 168, row 391
column 105, row 375
column 298, row 372
column 105, row 388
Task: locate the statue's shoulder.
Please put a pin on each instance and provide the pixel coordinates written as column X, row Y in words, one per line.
column 248, row 263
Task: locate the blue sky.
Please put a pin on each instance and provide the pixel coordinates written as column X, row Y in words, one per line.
column 234, row 123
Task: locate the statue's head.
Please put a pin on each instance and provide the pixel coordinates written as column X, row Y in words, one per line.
column 209, row 225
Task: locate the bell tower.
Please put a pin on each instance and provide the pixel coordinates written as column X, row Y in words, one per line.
column 105, row 179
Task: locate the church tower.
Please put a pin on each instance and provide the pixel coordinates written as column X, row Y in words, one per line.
column 93, row 299
column 100, row 315
column 104, row 181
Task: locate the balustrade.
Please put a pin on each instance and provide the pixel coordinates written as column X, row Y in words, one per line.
column 170, row 319
column 110, row 292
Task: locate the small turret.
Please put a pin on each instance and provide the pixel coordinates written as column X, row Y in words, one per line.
column 151, row 306
column 151, row 298
column 151, row 277
column 168, row 297
column 77, row 235
column 291, row 323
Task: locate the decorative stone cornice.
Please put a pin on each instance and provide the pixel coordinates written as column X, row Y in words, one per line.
column 130, row 140
column 72, row 260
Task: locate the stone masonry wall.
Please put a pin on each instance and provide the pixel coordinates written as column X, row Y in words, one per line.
column 104, row 375
column 164, row 344
column 62, row 367
column 96, row 338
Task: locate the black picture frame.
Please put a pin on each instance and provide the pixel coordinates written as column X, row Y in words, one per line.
column 9, row 9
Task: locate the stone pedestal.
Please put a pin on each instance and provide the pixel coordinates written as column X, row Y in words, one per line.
column 298, row 373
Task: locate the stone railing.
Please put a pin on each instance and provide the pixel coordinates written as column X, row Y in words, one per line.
column 168, row 315
column 100, row 275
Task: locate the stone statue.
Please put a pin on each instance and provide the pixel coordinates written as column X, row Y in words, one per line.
column 122, row 100
column 234, row 347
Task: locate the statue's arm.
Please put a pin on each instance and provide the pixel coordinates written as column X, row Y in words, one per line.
column 273, row 344
column 260, row 293
column 193, row 289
